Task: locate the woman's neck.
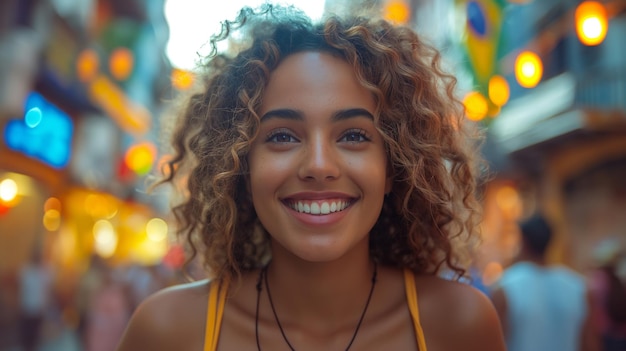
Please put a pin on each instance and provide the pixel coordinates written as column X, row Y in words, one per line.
column 320, row 292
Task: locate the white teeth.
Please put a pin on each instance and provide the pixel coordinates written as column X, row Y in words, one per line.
column 325, row 208
column 317, row 208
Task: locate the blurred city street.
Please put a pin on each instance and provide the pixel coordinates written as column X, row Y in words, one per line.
column 87, row 89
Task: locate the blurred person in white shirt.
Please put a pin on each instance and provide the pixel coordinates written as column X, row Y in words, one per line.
column 543, row 307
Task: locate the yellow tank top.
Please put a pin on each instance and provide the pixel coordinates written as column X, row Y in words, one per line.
column 217, row 301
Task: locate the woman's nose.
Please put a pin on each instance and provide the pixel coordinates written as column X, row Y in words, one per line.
column 320, row 160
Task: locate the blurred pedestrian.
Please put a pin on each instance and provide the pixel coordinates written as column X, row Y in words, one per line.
column 609, row 294
column 543, row 307
column 89, row 283
column 108, row 312
column 35, row 291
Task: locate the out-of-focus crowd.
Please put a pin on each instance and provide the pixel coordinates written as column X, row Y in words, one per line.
column 607, row 294
column 37, row 312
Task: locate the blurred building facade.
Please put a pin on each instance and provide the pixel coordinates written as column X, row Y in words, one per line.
column 82, row 86
column 555, row 145
column 556, row 138
column 564, row 140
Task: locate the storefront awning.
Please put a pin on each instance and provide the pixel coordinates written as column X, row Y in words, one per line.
column 550, row 112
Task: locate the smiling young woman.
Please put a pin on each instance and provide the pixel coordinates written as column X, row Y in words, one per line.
column 330, row 181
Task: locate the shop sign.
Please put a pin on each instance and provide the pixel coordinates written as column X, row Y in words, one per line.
column 44, row 133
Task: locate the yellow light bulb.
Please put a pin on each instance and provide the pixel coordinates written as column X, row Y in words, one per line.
column 476, row 106
column 499, row 90
column 528, row 69
column 397, row 11
column 591, row 22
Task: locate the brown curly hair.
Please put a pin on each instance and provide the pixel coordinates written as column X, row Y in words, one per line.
column 431, row 151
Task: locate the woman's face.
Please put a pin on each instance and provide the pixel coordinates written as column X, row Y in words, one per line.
column 318, row 167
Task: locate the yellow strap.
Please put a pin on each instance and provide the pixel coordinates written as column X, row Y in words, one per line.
column 215, row 311
column 411, row 295
column 217, row 302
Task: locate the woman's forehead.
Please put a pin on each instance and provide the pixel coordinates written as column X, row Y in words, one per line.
column 316, row 80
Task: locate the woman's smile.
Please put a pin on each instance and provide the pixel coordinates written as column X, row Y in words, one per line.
column 318, row 207
column 318, row 203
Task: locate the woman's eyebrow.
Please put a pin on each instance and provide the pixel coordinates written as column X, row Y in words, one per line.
column 298, row 115
column 284, row 113
column 351, row 113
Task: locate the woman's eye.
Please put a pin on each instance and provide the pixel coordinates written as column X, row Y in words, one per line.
column 281, row 137
column 355, row 136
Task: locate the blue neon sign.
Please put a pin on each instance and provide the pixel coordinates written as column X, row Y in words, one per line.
column 45, row 132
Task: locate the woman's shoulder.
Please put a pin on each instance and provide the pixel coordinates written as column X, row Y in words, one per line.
column 181, row 298
column 447, row 290
column 172, row 318
column 454, row 308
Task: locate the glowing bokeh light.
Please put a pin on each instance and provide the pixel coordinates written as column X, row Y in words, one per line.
column 140, row 157
column 52, row 204
column 8, row 190
column 591, row 22
column 182, row 79
column 100, row 206
column 87, row 65
column 33, row 117
column 528, row 69
column 499, row 90
column 397, row 11
column 156, row 229
column 121, row 63
column 52, row 220
column 105, row 238
column 476, row 106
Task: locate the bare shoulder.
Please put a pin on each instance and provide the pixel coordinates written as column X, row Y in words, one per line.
column 457, row 316
column 171, row 319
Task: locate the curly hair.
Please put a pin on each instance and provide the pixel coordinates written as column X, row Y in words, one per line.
column 432, row 209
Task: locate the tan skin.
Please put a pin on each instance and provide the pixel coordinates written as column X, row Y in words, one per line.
column 320, row 274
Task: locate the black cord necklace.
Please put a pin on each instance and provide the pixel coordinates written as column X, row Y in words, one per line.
column 259, row 287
